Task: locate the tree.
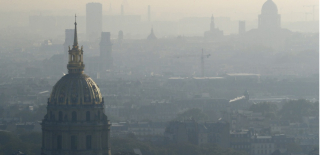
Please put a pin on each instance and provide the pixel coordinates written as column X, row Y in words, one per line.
column 194, row 113
column 294, row 110
column 266, row 108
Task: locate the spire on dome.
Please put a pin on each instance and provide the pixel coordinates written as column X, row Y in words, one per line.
column 75, row 64
column 75, row 41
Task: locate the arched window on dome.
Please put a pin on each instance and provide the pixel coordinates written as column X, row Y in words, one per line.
column 79, row 58
column 88, row 116
column 74, row 116
column 60, row 116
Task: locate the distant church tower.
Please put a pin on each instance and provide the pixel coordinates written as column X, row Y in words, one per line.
column 106, row 51
column 269, row 17
column 75, row 123
column 151, row 35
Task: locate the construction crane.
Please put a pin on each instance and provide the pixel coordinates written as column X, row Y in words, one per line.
column 312, row 9
column 202, row 62
column 202, row 57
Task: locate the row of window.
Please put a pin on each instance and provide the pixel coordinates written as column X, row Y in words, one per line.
column 241, row 146
column 254, row 146
column 263, row 146
column 74, row 116
column 263, row 151
column 74, row 142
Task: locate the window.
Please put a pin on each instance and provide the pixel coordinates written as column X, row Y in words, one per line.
column 79, row 58
column 98, row 115
column 52, row 117
column 88, row 116
column 88, row 142
column 73, row 142
column 74, row 116
column 59, row 142
column 60, row 116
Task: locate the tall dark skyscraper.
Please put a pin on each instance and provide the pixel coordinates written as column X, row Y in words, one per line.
column 75, row 123
column 106, row 51
column 149, row 13
column 69, row 33
column 93, row 21
column 122, row 11
column 120, row 36
column 68, row 40
column 242, row 27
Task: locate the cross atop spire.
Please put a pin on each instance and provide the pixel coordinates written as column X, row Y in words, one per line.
column 75, row 41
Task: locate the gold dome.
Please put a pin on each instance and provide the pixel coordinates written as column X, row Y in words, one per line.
column 75, row 89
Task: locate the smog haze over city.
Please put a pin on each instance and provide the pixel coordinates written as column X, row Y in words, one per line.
column 151, row 77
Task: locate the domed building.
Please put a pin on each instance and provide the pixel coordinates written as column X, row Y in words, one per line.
column 269, row 33
column 75, row 123
column 269, row 17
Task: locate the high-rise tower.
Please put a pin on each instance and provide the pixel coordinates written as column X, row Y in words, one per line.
column 242, row 27
column 75, row 122
column 122, row 11
column 212, row 24
column 149, row 14
column 93, row 21
column 106, row 51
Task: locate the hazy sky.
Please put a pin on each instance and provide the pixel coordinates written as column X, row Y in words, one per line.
column 290, row 10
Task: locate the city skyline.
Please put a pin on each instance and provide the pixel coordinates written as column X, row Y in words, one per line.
column 236, row 10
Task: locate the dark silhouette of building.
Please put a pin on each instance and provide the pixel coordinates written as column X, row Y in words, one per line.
column 218, row 133
column 69, row 33
column 75, row 122
column 122, row 10
column 120, row 36
column 151, row 35
column 241, row 140
column 93, row 20
column 149, row 14
column 242, row 27
column 269, row 17
column 106, row 51
column 213, row 33
column 269, row 32
column 196, row 133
